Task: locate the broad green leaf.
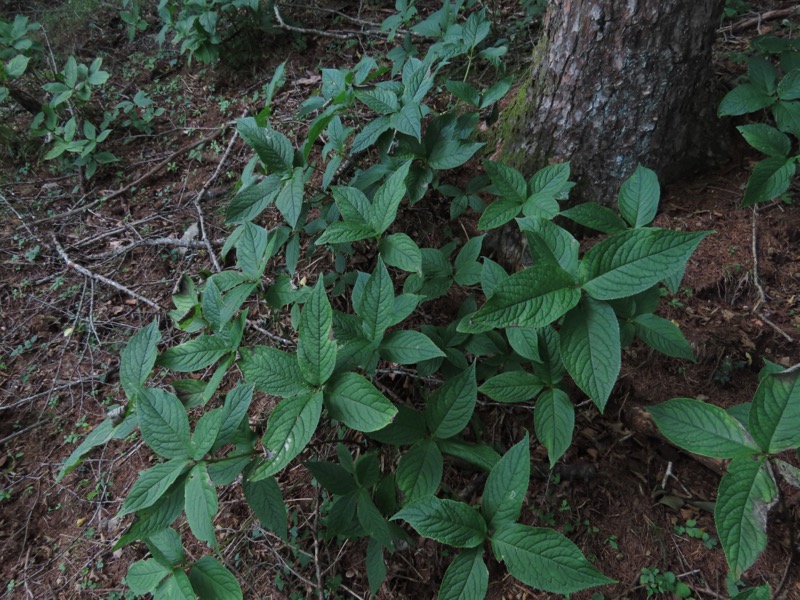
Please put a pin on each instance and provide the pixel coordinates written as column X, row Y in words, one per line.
column 369, row 135
column 789, row 86
column 507, row 485
column 762, row 74
column 233, row 411
column 662, row 335
column 340, row 232
column 467, row 267
column 508, row 182
column 408, row 427
column 770, row 178
column 498, row 213
column 449, row 154
column 164, row 423
column 380, row 100
column 554, row 421
column 316, row 348
column 408, row 120
column 155, row 518
column 638, row 197
column 551, row 180
column 290, row 427
column 702, row 428
column 376, row 567
column 464, row 92
column 266, row 500
column 272, row 147
column 775, row 415
column 212, row 581
column 273, row 371
column 250, row 201
column 152, row 485
column 206, row 432
column 334, row 478
column 467, row 577
column 387, row 198
column 201, row 504
column 635, row 260
column 787, row 117
column 136, row 360
column 548, row 242
column 762, row 592
column 144, row 575
column 590, row 348
column 352, row 203
column 525, row 342
column 419, row 471
column 745, row 495
column 446, row 521
column 371, row 519
column 534, row 297
column 175, row 587
column 101, row 434
column 399, row 250
column 481, row 456
column 196, row 354
column 290, row 199
column 450, row 407
column 377, row 303
column 766, row 139
column 540, row 205
column 357, row 403
column 596, row 216
column 512, row 386
column 408, row 348
column 545, row 559
column 167, row 546
column 16, row 66
column 743, row 99
column 251, row 250
column 492, row 274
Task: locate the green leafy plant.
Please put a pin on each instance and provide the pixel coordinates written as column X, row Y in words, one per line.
column 201, row 27
column 767, row 87
column 516, row 338
column 750, row 435
column 655, row 582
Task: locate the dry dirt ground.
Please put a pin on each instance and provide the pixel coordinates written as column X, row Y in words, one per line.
column 61, row 331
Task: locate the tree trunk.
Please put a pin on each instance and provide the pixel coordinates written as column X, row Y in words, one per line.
column 616, row 83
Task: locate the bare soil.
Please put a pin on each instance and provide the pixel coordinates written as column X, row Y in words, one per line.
column 60, row 334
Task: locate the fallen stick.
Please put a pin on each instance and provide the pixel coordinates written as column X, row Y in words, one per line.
column 102, row 279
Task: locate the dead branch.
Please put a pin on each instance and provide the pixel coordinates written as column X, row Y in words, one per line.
column 173, row 242
column 102, row 279
column 209, row 182
column 770, row 15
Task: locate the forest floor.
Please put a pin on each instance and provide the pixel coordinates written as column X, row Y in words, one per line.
column 61, row 332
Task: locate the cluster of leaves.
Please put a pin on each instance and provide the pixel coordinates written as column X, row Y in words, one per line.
column 776, row 89
column 64, row 119
column 751, row 435
column 567, row 316
column 202, row 26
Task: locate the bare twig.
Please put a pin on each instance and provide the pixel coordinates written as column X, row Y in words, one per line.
column 109, row 282
column 49, row 391
column 16, row 434
column 339, row 35
column 150, row 173
column 199, row 195
column 174, row 242
column 770, row 15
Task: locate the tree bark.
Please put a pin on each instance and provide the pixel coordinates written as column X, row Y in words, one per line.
column 615, row 83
